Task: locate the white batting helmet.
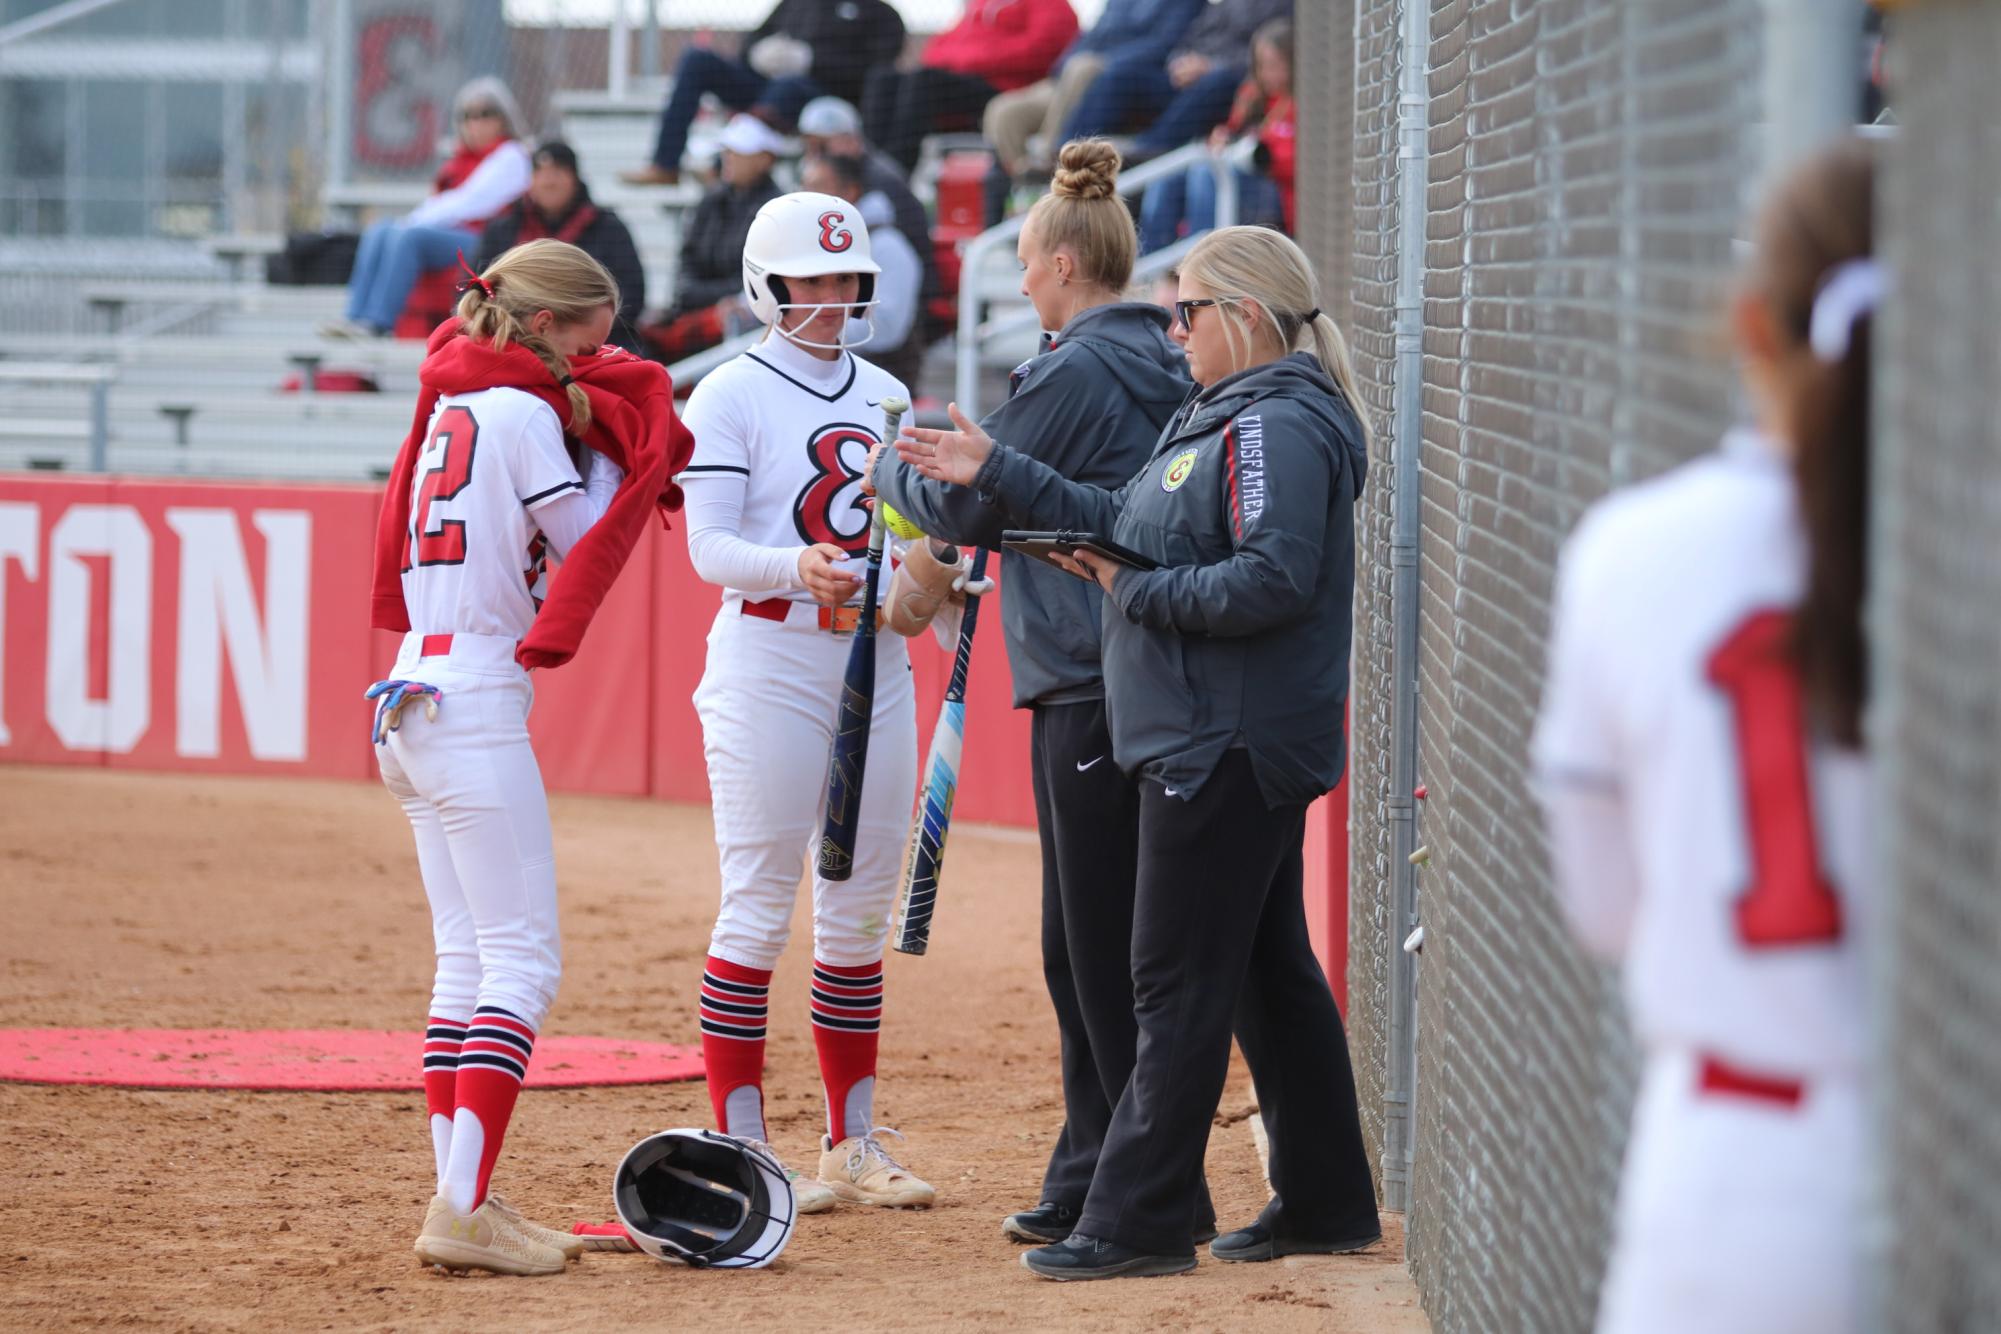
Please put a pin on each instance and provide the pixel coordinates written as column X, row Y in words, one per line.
column 704, row 1199
column 804, row 235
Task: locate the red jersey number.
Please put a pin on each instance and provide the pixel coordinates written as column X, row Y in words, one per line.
column 1790, row 900
column 829, row 508
column 452, row 439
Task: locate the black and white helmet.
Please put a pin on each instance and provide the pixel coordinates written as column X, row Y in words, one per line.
column 804, row 235
column 704, row 1199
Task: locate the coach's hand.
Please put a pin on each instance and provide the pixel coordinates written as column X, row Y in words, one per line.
column 1088, row 565
column 946, row 456
column 818, row 570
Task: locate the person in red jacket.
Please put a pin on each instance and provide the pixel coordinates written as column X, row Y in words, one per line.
column 1264, row 108
column 996, row 46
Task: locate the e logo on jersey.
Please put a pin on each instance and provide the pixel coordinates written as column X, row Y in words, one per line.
column 829, row 508
column 834, row 238
column 1178, row 471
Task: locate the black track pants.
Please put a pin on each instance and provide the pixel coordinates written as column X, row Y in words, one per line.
column 1220, row 945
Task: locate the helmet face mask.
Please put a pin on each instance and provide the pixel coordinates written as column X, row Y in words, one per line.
column 807, row 235
column 704, row 1200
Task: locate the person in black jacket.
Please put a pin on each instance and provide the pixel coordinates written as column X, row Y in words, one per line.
column 558, row 204
column 1090, row 405
column 708, row 288
column 802, row 50
column 1226, row 674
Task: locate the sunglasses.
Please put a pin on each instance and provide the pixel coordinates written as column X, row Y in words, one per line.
column 1184, row 311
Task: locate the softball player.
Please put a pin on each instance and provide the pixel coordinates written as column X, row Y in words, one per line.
column 775, row 517
column 1699, row 756
column 493, row 490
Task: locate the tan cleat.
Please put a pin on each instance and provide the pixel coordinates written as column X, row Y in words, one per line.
column 485, row 1240
column 568, row 1243
column 808, row 1196
column 860, row 1169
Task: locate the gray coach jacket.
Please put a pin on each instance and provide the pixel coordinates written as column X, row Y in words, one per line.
column 1090, row 405
column 1242, row 639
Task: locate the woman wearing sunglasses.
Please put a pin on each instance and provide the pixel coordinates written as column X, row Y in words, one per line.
column 1226, row 677
column 490, row 170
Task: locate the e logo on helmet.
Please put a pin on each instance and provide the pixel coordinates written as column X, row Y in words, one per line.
column 834, row 238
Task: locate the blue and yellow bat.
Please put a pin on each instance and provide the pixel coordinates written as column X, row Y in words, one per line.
column 849, row 762
column 940, row 789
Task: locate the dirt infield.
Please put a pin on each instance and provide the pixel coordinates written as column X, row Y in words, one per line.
column 145, row 901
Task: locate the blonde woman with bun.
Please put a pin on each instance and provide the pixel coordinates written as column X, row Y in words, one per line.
column 1226, row 674
column 1089, row 405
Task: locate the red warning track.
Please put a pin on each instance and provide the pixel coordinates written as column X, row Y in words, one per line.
column 322, row 1060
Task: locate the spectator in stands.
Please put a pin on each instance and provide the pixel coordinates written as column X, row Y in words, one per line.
column 489, row 171
column 559, row 204
column 802, row 50
column 830, row 126
column 896, row 342
column 1126, row 30
column 708, row 289
column 1264, row 109
column 1186, row 98
column 996, row 45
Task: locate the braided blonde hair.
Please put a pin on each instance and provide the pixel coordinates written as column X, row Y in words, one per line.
column 542, row 275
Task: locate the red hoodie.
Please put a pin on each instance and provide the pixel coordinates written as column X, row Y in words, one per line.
column 633, row 423
column 1009, row 43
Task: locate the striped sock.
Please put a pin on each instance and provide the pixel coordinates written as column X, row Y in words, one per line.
column 847, row 1023
column 492, row 1063
column 735, row 1001
column 441, row 1066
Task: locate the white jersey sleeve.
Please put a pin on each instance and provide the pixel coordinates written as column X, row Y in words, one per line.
column 539, row 460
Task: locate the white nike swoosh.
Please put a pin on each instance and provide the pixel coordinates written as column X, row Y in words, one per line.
column 1082, row 767
column 1173, row 791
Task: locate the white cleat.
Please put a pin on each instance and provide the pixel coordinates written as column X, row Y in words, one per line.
column 483, row 1240
column 859, row 1169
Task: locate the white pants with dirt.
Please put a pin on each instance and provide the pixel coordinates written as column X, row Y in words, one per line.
column 1739, row 1209
column 768, row 702
column 470, row 785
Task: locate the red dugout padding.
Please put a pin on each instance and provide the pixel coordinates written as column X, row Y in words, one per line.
column 223, row 628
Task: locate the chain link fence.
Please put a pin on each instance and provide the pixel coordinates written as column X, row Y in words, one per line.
column 1937, row 637
column 1589, row 162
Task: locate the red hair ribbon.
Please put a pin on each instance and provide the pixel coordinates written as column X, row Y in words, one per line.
column 473, row 279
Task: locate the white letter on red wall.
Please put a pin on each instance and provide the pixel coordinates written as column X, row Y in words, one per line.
column 20, row 539
column 219, row 614
column 116, row 722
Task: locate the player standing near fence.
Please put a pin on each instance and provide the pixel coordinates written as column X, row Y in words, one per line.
column 1700, row 760
column 776, row 518
column 491, row 479
column 1091, row 404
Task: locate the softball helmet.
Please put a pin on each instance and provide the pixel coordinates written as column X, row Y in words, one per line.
column 704, row 1199
column 805, row 235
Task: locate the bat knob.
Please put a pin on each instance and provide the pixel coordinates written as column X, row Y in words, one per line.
column 895, row 407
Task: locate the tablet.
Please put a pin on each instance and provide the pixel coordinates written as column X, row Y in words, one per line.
column 1043, row 545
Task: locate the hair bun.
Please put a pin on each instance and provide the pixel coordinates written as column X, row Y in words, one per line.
column 1086, row 169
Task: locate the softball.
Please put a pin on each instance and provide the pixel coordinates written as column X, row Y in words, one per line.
column 899, row 525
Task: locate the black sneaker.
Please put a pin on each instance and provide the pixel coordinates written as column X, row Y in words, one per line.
column 1257, row 1242
column 1046, row 1222
column 1082, row 1257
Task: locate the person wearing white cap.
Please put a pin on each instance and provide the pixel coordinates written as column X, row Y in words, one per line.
column 829, row 126
column 708, row 298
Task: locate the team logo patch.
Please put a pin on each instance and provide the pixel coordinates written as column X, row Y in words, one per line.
column 1177, row 471
column 829, row 507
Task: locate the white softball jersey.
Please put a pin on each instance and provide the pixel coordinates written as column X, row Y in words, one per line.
column 1702, row 833
column 796, row 431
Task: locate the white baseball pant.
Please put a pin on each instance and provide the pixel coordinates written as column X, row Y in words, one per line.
column 473, row 792
column 767, row 701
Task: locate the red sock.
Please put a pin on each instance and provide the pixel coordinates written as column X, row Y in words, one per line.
column 442, row 1038
column 847, row 1023
column 492, row 1064
column 735, row 1000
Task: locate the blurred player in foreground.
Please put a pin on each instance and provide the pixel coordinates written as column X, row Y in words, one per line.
column 1700, row 759
column 487, row 484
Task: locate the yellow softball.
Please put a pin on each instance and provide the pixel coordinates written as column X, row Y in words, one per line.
column 897, row 524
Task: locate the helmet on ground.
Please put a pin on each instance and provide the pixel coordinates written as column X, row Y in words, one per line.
column 704, row 1199
column 805, row 235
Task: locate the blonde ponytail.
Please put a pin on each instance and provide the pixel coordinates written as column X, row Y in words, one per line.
column 542, row 275
column 1239, row 264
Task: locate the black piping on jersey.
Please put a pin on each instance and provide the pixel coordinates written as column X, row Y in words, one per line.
column 825, row 398
column 715, row 467
column 555, row 490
